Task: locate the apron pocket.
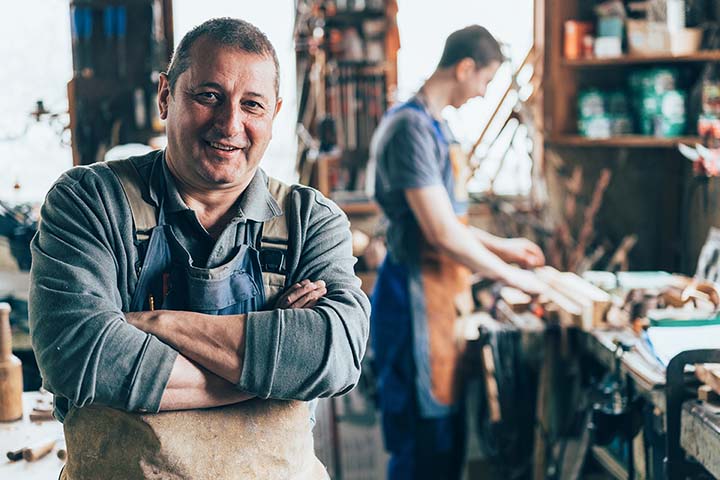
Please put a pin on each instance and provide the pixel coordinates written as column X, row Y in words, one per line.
column 213, row 295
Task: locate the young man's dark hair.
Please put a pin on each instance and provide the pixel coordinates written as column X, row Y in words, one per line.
column 473, row 42
column 232, row 32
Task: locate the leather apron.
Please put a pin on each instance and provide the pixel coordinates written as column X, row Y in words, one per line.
column 256, row 439
column 438, row 293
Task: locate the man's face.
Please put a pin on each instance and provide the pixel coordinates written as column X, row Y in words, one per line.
column 219, row 118
column 472, row 82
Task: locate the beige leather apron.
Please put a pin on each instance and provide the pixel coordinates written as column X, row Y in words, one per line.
column 257, row 439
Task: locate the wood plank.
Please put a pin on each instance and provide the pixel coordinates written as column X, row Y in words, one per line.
column 592, row 301
column 709, row 374
column 629, row 141
column 700, row 56
column 360, row 208
column 517, row 300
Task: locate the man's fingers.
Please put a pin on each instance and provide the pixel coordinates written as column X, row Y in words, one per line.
column 309, row 299
column 299, row 290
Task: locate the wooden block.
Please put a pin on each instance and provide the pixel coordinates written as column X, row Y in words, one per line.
column 517, row 300
column 705, row 393
column 709, row 374
column 568, row 312
column 594, row 303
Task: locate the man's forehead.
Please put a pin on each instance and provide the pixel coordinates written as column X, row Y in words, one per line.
column 206, row 50
column 210, row 60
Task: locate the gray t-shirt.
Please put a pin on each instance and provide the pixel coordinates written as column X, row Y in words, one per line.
column 409, row 150
column 84, row 273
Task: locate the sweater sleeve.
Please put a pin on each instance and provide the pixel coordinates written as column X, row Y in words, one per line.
column 86, row 351
column 304, row 354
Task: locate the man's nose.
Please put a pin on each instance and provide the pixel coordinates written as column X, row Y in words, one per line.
column 230, row 120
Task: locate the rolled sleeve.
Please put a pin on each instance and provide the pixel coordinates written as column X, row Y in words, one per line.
column 304, row 354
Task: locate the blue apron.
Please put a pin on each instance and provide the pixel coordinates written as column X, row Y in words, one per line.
column 170, row 281
column 424, row 435
column 400, row 336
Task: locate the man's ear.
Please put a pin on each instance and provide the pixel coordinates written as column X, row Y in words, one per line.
column 278, row 106
column 163, row 95
column 464, row 68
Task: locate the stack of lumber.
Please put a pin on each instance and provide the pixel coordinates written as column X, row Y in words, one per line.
column 578, row 302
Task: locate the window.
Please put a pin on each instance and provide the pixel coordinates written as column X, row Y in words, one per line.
column 422, row 38
column 37, row 64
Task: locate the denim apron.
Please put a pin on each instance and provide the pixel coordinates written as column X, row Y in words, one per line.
column 417, row 357
column 169, row 278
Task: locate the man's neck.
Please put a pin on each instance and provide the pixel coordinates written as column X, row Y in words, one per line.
column 437, row 92
column 214, row 207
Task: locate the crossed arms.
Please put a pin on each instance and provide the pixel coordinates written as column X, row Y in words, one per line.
column 83, row 276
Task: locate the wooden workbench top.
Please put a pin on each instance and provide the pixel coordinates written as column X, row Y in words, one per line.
column 23, row 433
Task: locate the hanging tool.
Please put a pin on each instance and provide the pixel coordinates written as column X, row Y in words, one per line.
column 81, row 29
column 109, row 28
column 121, row 32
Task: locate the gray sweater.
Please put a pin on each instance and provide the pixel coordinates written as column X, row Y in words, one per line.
column 84, row 272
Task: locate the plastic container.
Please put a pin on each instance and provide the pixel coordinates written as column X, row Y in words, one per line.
column 591, row 103
column 685, row 41
column 574, row 33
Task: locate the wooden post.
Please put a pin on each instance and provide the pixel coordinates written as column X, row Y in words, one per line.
column 11, row 382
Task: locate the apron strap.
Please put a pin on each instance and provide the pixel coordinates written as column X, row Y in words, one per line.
column 274, row 243
column 143, row 213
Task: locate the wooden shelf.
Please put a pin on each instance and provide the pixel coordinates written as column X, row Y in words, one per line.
column 701, row 56
column 629, row 141
column 360, row 208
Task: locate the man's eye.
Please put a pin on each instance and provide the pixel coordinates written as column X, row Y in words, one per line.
column 207, row 97
column 253, row 105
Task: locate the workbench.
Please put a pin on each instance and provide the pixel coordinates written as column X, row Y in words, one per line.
column 23, row 433
column 699, row 428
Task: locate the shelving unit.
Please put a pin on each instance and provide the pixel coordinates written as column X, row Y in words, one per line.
column 119, row 46
column 622, row 141
column 652, row 191
column 625, row 60
column 347, row 77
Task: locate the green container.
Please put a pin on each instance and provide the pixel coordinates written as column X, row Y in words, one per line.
column 597, row 126
column 621, row 124
column 617, row 103
column 591, row 103
column 672, row 104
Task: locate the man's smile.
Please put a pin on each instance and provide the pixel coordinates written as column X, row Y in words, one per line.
column 222, row 146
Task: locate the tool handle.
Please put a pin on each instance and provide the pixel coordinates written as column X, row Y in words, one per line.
column 5, row 333
column 16, row 455
column 38, row 451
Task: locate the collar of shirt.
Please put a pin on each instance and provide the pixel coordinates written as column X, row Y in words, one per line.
column 419, row 99
column 255, row 203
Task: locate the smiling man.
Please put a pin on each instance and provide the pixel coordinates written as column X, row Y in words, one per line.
column 187, row 282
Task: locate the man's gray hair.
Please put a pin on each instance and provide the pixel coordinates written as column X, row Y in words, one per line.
column 231, row 32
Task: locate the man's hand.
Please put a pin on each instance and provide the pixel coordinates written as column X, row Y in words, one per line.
column 521, row 251
column 523, row 280
column 302, row 295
